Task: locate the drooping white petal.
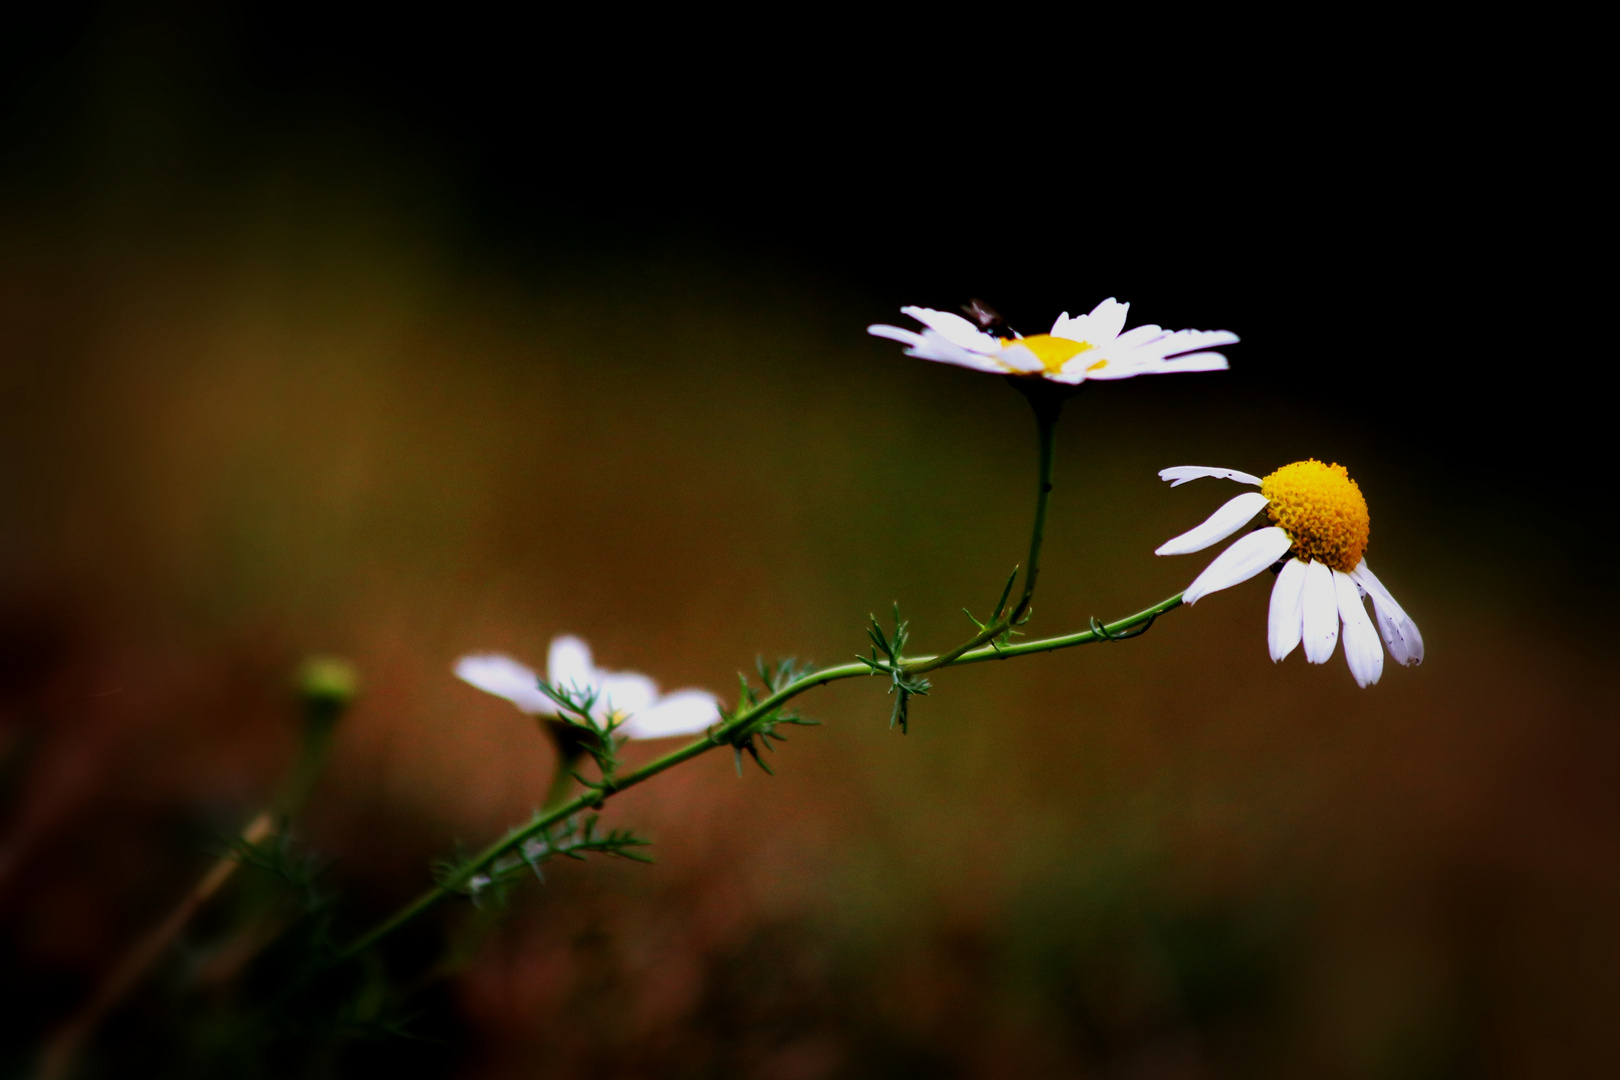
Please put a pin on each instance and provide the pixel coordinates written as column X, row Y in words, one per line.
column 1399, row 631
column 1240, row 562
column 1320, row 622
column 504, row 677
column 1231, row 517
column 954, row 328
column 685, row 712
column 568, row 665
column 1180, row 474
column 625, row 692
column 1361, row 649
column 1285, row 621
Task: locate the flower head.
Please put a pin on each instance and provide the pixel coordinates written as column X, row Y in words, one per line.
column 1076, row 349
column 1319, row 532
column 645, row 714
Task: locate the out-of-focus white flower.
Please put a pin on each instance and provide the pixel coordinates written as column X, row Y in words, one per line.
column 1320, row 519
column 645, row 714
column 1088, row 347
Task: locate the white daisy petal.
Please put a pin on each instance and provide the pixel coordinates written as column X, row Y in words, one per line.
column 954, row 328
column 1285, row 620
column 1182, row 341
column 1137, row 335
column 685, row 712
column 568, row 665
column 1320, row 613
column 1399, row 631
column 1202, row 339
column 1107, row 319
column 1240, row 562
column 625, row 692
column 1020, row 358
column 1106, row 368
column 1180, row 474
column 895, row 333
column 505, row 677
column 1231, row 517
column 1204, row 361
column 1390, row 629
column 935, row 347
column 1361, row 649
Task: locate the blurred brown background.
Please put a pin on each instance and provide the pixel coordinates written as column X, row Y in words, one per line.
column 300, row 353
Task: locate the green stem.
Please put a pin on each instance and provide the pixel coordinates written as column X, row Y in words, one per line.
column 300, row 783
column 719, row 737
column 1046, row 422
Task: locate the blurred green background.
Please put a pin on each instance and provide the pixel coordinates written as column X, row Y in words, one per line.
column 293, row 362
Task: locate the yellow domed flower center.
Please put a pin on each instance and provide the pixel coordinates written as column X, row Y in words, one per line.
column 1052, row 352
column 1322, row 511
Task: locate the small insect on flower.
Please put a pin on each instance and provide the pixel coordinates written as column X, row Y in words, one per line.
column 1087, row 347
column 634, row 698
column 1319, row 517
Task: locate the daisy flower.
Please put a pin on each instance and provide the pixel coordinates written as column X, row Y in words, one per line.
column 1319, row 518
column 1086, row 347
column 645, row 714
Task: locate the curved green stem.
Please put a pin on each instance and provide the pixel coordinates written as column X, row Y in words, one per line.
column 720, row 737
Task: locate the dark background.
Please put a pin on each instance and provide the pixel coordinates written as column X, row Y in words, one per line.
column 406, row 335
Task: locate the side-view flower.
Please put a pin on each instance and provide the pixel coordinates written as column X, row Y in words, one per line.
column 633, row 697
column 1092, row 346
column 1319, row 518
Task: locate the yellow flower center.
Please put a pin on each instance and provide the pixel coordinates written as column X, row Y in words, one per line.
column 1052, row 352
column 1322, row 511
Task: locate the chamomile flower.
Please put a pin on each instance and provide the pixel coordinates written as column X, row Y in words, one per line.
column 645, row 713
column 1320, row 526
column 1076, row 349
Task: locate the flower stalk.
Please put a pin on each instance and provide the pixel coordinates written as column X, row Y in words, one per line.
column 326, row 688
column 1048, row 406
